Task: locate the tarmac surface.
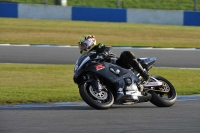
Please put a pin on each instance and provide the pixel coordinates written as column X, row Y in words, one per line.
column 78, row 117
column 168, row 57
column 183, row 117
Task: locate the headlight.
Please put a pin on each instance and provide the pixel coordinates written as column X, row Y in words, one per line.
column 75, row 68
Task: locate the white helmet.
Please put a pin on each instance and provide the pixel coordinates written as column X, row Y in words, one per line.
column 86, row 43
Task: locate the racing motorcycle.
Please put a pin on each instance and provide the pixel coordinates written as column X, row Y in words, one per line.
column 98, row 78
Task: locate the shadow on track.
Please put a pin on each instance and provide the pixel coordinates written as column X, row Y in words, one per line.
column 77, row 107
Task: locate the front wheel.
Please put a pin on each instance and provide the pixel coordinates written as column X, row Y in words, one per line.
column 101, row 100
column 165, row 95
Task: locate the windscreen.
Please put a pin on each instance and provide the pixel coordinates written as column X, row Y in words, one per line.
column 81, row 61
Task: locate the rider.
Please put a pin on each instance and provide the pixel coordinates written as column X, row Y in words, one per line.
column 127, row 59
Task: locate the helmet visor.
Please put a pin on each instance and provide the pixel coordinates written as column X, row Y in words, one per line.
column 86, row 44
column 83, row 46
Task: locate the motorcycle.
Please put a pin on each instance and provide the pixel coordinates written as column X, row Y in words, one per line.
column 98, row 77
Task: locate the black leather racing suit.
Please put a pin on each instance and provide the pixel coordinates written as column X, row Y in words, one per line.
column 126, row 60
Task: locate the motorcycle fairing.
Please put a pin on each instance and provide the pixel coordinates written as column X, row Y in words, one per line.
column 111, row 72
column 104, row 70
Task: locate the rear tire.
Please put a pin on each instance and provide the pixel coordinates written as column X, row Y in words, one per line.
column 158, row 98
column 102, row 100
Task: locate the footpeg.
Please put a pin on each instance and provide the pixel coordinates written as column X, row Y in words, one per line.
column 153, row 84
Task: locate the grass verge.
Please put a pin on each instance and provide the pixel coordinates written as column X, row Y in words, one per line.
column 63, row 32
column 24, row 83
column 145, row 4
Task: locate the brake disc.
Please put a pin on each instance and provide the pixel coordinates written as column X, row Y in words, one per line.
column 103, row 95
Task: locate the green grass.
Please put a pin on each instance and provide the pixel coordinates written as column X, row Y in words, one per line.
column 24, row 83
column 62, row 32
column 145, row 4
column 185, row 81
column 53, row 83
column 36, row 84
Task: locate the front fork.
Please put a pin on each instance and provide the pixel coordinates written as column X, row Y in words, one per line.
column 95, row 83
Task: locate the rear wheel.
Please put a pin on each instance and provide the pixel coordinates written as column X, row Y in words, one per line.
column 101, row 100
column 165, row 95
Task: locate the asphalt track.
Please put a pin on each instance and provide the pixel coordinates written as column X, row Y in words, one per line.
column 184, row 58
column 183, row 117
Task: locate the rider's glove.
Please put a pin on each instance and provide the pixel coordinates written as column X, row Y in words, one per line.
column 105, row 54
column 102, row 55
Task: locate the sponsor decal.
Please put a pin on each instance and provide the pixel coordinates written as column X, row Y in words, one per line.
column 120, row 89
column 99, row 67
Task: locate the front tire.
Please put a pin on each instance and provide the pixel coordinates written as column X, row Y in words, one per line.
column 102, row 100
column 163, row 99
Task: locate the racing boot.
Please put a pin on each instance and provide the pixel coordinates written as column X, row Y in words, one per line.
column 140, row 69
column 145, row 76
